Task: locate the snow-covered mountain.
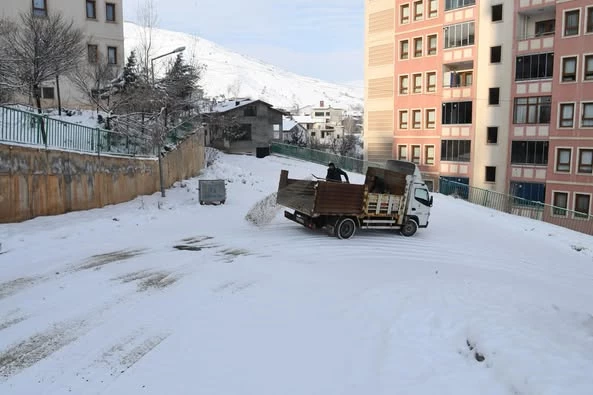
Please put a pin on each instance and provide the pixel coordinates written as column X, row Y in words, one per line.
column 235, row 75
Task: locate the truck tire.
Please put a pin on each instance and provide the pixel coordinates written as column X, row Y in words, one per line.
column 409, row 228
column 345, row 228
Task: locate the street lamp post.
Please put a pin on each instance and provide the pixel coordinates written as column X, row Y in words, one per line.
column 161, row 180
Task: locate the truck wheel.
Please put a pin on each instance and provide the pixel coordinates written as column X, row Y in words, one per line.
column 345, row 228
column 409, row 228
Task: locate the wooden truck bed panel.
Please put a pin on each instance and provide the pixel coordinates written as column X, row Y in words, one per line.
column 382, row 204
column 336, row 198
column 298, row 195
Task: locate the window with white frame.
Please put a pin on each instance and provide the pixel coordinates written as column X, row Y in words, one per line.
column 588, row 67
column 452, row 4
column 571, row 22
column 459, row 35
column 431, row 44
column 566, row 117
column 582, row 204
column 417, row 47
column 417, row 83
column 569, row 69
column 589, row 21
column 404, row 49
column 403, row 119
column 416, row 119
column 587, row 117
column 416, row 154
column 404, row 14
column 402, row 152
column 560, row 203
column 431, row 81
column 433, row 8
column 418, row 10
column 585, row 161
column 429, row 155
column 563, row 160
column 431, row 117
column 404, row 83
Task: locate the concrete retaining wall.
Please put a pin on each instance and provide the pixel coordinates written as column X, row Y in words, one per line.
column 35, row 182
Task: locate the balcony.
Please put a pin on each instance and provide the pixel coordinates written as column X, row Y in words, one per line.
column 536, row 29
column 458, row 80
column 526, row 4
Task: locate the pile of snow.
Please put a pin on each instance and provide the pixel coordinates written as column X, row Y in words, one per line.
column 161, row 295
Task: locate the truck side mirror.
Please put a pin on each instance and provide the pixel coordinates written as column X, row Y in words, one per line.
column 430, row 202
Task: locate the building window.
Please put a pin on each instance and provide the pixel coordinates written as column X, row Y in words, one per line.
column 585, row 161
column 404, row 12
column 457, row 113
column 493, row 96
column 250, row 111
column 566, row 115
column 91, row 9
column 47, row 92
column 418, row 10
column 529, row 152
column 563, row 160
column 560, row 203
column 497, row 13
column 431, row 117
column 111, row 55
column 455, row 150
column 403, row 119
column 404, row 49
column 492, row 135
column 402, row 152
column 587, row 117
column 417, row 83
column 39, row 8
column 461, row 78
column 459, row 35
column 582, row 203
column 529, row 110
column 418, row 47
column 490, row 175
column 589, row 23
column 431, row 44
column 416, row 119
column 404, row 83
column 416, row 154
column 452, row 4
column 110, row 12
column 533, row 67
column 544, row 28
column 569, row 69
column 93, row 53
column 588, row 67
column 495, row 54
column 431, row 82
column 429, row 155
column 571, row 22
column 433, row 8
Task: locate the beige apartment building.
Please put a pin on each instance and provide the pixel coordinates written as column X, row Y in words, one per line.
column 497, row 94
column 102, row 23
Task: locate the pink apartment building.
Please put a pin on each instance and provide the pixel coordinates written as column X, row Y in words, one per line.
column 495, row 94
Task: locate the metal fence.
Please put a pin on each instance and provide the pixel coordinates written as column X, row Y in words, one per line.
column 580, row 222
column 28, row 128
column 563, row 217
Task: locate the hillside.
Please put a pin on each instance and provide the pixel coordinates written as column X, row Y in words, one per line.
column 235, row 75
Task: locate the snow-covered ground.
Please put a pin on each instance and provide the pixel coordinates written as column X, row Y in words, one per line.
column 102, row 301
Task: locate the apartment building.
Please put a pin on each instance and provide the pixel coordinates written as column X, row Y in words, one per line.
column 102, row 23
column 492, row 93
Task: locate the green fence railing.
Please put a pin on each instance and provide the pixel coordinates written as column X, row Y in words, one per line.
column 578, row 221
column 22, row 127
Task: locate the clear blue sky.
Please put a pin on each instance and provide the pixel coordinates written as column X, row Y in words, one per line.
column 322, row 39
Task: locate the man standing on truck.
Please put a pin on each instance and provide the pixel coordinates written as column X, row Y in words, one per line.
column 335, row 173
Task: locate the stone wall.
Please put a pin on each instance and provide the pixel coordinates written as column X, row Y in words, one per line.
column 36, row 182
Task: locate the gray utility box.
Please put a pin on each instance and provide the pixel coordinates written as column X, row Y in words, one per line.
column 212, row 192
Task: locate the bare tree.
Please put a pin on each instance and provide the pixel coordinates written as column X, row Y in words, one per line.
column 39, row 50
column 148, row 19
